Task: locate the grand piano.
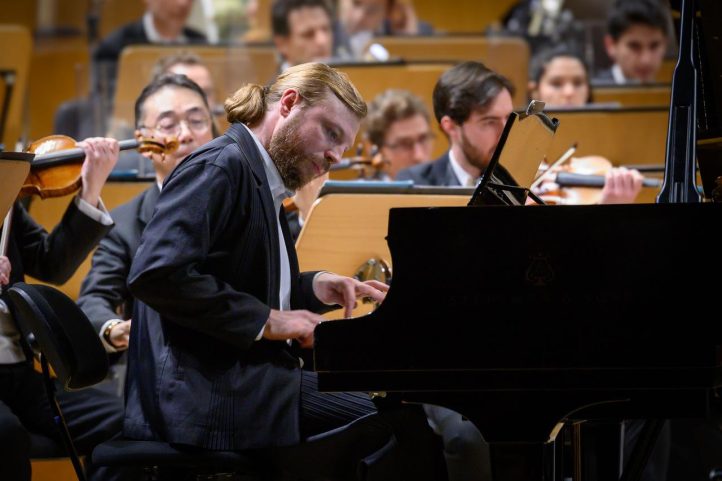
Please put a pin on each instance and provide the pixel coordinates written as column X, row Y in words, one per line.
column 523, row 318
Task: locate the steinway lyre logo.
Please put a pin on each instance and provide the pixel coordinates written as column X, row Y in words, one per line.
column 540, row 272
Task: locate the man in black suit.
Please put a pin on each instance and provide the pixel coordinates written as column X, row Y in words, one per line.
column 27, row 427
column 170, row 106
column 163, row 23
column 221, row 302
column 471, row 104
column 302, row 31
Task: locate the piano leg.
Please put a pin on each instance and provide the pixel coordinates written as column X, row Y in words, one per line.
column 582, row 451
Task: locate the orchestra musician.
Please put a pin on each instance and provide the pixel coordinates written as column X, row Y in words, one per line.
column 171, row 106
column 217, row 279
column 398, row 125
column 302, row 31
column 636, row 41
column 560, row 79
column 93, row 416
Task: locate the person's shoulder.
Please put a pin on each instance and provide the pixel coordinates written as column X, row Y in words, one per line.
column 604, row 77
column 128, row 34
column 194, row 36
column 222, row 154
column 423, row 173
column 414, row 172
column 128, row 211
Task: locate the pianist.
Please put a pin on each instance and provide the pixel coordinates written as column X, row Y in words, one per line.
column 217, row 278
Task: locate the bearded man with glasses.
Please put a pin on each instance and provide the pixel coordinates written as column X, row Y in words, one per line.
column 170, row 107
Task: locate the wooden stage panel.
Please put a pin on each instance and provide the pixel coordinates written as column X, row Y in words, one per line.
column 624, row 136
column 345, row 230
column 633, row 95
column 508, row 56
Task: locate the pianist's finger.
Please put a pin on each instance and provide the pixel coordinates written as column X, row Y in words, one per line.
column 366, row 289
column 348, row 292
column 378, row 285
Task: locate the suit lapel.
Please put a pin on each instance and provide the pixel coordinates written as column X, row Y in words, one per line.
column 239, row 133
column 443, row 173
column 147, row 204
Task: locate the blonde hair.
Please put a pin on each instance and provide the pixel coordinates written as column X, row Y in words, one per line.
column 312, row 81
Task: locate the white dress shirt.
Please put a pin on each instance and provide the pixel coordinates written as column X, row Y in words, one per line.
column 154, row 36
column 279, row 192
column 462, row 176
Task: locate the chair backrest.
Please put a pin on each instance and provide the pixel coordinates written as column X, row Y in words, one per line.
column 63, row 332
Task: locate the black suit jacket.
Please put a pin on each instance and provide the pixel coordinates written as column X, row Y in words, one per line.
column 51, row 257
column 205, row 277
column 438, row 173
column 604, row 77
column 133, row 33
column 104, row 294
column 106, row 55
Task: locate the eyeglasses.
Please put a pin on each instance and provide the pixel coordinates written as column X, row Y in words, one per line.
column 408, row 143
column 172, row 126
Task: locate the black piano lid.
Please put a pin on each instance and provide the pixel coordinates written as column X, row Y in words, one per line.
column 591, row 289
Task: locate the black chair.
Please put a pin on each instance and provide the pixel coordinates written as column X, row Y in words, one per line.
column 66, row 340
column 69, row 343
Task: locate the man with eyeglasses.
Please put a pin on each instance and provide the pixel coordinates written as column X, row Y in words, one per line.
column 170, row 107
column 398, row 126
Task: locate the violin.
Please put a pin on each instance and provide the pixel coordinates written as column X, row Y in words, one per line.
column 55, row 169
column 370, row 166
column 580, row 182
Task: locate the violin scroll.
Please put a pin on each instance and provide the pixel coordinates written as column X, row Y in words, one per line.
column 153, row 146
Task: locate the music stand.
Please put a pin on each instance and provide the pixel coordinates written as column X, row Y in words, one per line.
column 14, row 168
column 521, row 149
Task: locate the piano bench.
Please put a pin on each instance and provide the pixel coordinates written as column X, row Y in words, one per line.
column 161, row 461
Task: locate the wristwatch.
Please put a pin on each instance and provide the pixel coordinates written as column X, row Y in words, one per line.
column 108, row 328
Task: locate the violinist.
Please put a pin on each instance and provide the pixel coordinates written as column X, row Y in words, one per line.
column 560, row 79
column 93, row 416
column 171, row 107
column 398, row 126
